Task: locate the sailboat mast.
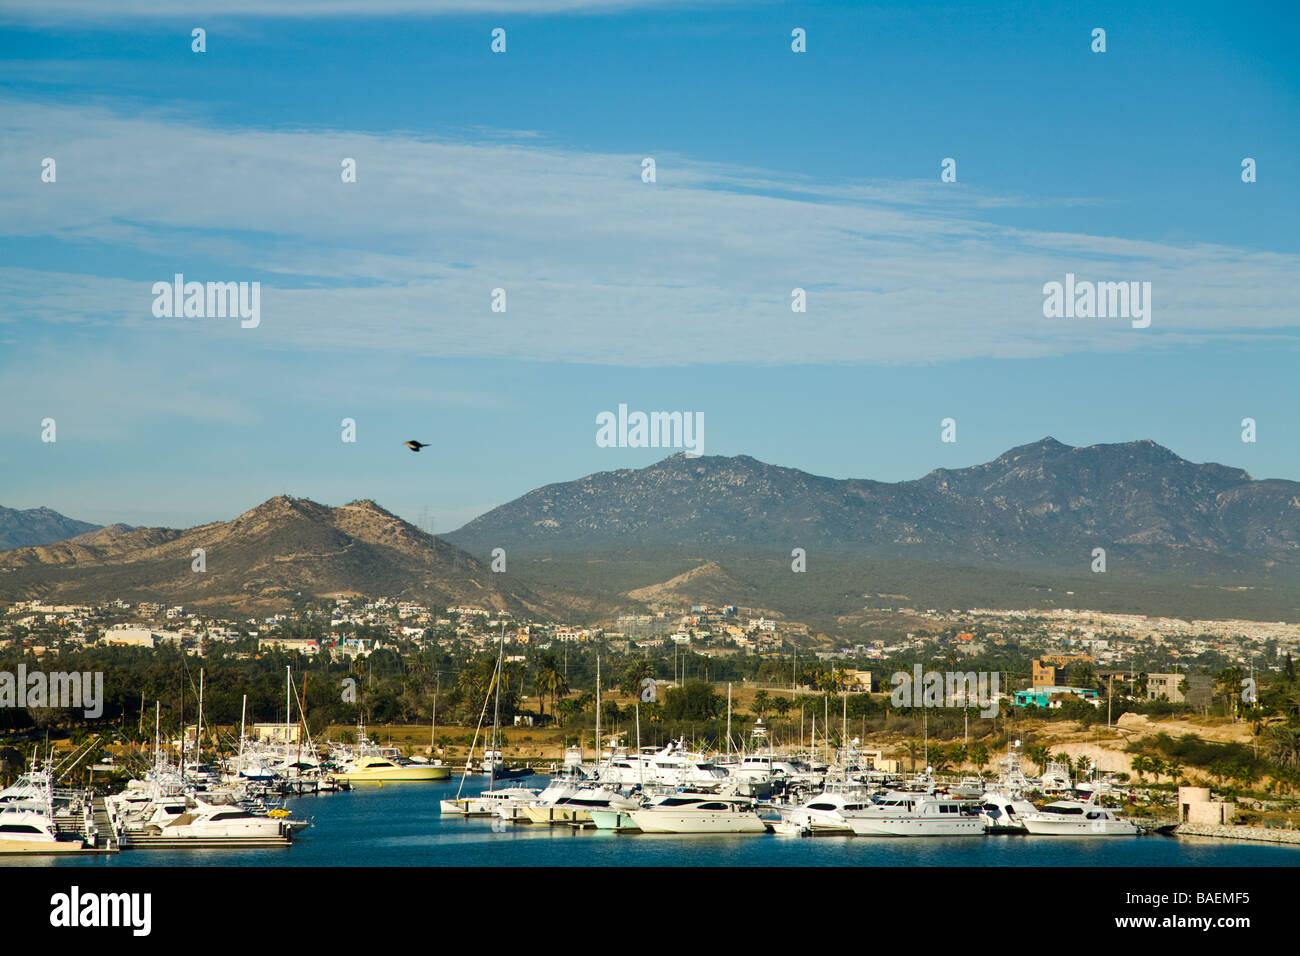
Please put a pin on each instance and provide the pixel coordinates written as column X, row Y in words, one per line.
column 243, row 712
column 597, row 708
column 496, row 712
column 728, row 718
column 288, row 706
column 198, row 734
column 302, row 720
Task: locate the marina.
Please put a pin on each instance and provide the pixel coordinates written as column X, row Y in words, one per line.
column 401, row 825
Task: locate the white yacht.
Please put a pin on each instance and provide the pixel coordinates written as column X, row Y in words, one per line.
column 489, row 803
column 580, row 807
column 1004, row 811
column 918, row 815
column 1004, row 806
column 671, row 766
column 207, row 821
column 698, row 813
column 559, row 789
column 1078, row 818
column 766, row 767
column 27, row 828
column 1055, row 778
column 827, row 812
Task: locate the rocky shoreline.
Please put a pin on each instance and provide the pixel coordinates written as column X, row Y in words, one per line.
column 1259, row 834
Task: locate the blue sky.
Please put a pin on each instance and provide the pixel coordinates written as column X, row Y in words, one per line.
column 522, row 171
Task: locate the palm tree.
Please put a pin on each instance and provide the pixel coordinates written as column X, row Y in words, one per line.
column 912, row 748
column 1228, row 683
column 761, row 702
column 549, row 679
column 635, row 675
column 1040, row 755
column 1140, row 764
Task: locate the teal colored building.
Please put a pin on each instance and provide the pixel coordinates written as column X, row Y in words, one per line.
column 1042, row 696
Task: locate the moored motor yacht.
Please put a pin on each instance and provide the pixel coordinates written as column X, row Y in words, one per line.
column 27, row 828
column 489, row 803
column 903, row 813
column 1078, row 818
column 698, row 813
column 578, row 807
column 1004, row 812
column 371, row 768
column 827, row 812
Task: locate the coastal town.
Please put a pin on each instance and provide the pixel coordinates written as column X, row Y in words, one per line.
column 1169, row 651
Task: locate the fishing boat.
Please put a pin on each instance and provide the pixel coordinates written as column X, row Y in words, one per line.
column 827, row 812
column 371, row 768
column 28, row 828
column 1003, row 811
column 1004, row 806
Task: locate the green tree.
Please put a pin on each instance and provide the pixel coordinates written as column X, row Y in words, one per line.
column 549, row 681
column 635, row 674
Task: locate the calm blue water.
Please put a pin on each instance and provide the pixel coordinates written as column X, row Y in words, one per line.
column 400, row 825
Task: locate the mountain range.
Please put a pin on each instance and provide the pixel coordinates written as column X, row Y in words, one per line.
column 265, row 558
column 21, row 529
column 1180, row 538
column 1042, row 503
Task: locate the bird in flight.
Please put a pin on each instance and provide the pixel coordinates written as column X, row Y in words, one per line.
column 417, row 445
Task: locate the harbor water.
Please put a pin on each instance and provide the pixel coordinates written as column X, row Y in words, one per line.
column 399, row 824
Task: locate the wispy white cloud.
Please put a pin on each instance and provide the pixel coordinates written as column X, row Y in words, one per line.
column 598, row 266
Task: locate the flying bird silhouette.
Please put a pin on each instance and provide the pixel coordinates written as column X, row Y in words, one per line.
column 417, row 445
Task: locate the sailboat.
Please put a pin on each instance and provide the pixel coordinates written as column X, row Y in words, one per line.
column 492, row 801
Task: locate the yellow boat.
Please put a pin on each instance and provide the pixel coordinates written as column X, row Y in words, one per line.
column 382, row 770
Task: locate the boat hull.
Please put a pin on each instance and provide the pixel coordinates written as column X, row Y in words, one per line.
column 40, row 847
column 1080, row 828
column 614, row 820
column 395, row 775
column 915, row 827
column 666, row 821
column 554, row 815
